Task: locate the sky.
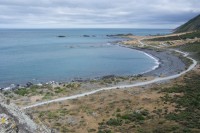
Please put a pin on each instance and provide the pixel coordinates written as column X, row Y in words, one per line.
column 165, row 14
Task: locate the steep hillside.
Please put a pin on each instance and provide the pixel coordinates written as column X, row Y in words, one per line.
column 191, row 25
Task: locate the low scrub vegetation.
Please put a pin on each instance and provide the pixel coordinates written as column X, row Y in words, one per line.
column 188, row 104
column 134, row 118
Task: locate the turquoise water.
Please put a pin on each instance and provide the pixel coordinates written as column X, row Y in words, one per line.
column 39, row 55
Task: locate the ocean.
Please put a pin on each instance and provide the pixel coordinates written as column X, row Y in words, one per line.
column 39, row 55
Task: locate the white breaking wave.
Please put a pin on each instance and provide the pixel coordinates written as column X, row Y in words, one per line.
column 155, row 60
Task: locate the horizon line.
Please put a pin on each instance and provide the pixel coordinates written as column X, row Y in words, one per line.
column 94, row 28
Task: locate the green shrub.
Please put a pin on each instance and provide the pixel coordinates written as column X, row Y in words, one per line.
column 136, row 116
column 114, row 122
column 118, row 110
column 22, row 92
column 92, row 130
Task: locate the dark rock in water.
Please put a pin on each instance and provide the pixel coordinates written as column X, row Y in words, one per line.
column 118, row 35
column 93, row 36
column 86, row 36
column 29, row 84
column 109, row 35
column 108, row 76
column 18, row 85
column 61, row 36
column 129, row 34
column 78, row 80
column 139, row 75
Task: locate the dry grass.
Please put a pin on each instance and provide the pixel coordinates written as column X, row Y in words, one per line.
column 88, row 112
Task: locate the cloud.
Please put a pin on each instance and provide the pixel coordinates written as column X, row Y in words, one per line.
column 92, row 13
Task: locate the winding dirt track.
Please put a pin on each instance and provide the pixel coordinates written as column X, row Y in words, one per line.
column 160, row 79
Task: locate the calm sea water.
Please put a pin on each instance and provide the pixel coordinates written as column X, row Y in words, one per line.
column 39, row 55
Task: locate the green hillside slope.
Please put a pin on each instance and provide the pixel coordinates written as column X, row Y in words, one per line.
column 191, row 25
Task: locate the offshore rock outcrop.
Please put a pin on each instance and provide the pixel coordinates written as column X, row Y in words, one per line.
column 61, row 36
column 86, row 36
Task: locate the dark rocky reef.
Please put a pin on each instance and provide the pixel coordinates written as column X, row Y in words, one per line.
column 29, row 84
column 86, row 36
column 61, row 36
column 108, row 77
column 120, row 35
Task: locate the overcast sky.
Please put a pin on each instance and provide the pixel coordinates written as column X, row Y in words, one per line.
column 96, row 13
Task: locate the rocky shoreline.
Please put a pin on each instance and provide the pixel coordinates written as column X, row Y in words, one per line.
column 169, row 64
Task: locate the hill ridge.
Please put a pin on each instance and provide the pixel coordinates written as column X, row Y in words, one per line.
column 191, row 25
